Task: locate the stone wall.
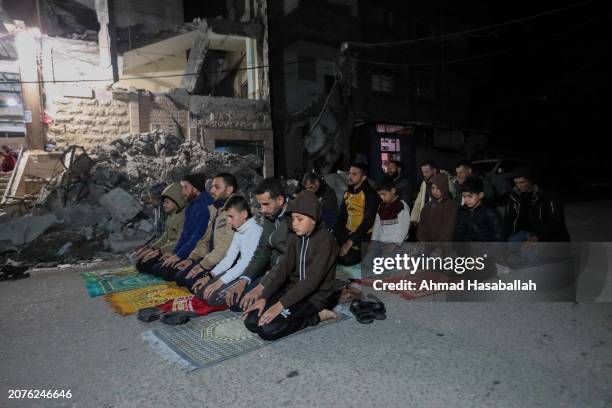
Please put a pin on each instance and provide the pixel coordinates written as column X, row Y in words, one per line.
column 88, row 121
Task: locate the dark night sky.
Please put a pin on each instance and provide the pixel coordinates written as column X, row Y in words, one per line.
column 549, row 101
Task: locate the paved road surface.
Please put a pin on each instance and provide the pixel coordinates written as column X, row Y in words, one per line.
column 433, row 354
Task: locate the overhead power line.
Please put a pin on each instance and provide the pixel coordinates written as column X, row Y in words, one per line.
column 476, row 57
column 468, row 31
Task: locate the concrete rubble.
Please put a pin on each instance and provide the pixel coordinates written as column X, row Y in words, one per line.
column 105, row 209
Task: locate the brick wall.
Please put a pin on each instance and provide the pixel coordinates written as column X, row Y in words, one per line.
column 88, row 121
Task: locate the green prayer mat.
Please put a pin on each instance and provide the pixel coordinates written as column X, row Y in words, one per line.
column 118, row 280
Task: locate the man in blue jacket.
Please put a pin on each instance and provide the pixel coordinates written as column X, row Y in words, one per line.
column 193, row 188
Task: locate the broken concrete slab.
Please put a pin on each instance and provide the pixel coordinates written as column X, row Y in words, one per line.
column 27, row 229
column 197, row 56
column 6, row 245
column 120, row 204
column 77, row 217
column 123, row 246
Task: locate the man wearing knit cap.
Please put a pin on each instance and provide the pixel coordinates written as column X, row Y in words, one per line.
column 197, row 214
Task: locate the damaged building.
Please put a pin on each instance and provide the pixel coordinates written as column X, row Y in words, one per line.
column 342, row 99
column 110, row 68
column 116, row 96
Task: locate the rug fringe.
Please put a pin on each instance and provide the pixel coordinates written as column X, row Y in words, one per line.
column 166, row 352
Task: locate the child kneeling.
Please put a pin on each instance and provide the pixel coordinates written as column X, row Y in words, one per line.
column 296, row 291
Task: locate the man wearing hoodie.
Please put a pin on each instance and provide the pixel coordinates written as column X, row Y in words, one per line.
column 173, row 203
column 193, row 188
column 357, row 215
column 218, row 236
column 295, row 292
column 439, row 216
column 272, row 245
column 213, row 286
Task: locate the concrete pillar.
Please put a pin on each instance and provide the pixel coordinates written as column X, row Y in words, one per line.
column 107, row 39
column 134, row 111
column 252, row 73
column 28, row 50
column 192, row 82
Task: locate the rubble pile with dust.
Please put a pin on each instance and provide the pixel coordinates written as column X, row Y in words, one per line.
column 106, row 209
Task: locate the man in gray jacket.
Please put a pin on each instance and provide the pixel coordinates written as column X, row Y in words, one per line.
column 270, row 195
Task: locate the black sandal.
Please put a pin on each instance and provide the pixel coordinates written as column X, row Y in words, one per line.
column 378, row 308
column 149, row 314
column 362, row 311
column 176, row 318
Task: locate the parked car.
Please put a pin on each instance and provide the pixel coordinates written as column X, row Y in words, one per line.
column 500, row 171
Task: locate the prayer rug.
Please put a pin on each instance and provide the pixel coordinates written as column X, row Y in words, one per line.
column 127, row 278
column 130, row 301
column 348, row 272
column 209, row 340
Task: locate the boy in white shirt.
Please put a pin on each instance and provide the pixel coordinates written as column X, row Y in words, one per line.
column 214, row 285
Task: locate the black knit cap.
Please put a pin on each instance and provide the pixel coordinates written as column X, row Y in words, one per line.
column 197, row 180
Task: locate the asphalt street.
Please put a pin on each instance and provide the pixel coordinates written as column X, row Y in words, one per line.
column 427, row 353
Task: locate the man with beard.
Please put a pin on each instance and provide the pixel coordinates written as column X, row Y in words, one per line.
column 428, row 169
column 270, row 195
column 402, row 185
column 213, row 246
column 357, row 215
column 193, row 188
column 326, row 197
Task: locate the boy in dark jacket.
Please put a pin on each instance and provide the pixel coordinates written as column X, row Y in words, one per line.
column 295, row 292
column 438, row 217
column 476, row 222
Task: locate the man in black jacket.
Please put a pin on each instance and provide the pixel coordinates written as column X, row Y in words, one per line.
column 402, row 184
column 476, row 222
column 532, row 214
column 357, row 215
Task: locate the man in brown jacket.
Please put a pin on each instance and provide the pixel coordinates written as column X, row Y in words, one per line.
column 213, row 246
column 295, row 293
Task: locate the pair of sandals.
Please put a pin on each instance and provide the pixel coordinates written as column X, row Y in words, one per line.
column 151, row 314
column 367, row 311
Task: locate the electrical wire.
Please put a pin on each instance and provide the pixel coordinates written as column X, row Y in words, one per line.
column 481, row 56
column 468, row 31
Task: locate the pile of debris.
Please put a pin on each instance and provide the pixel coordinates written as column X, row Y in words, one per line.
column 99, row 203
